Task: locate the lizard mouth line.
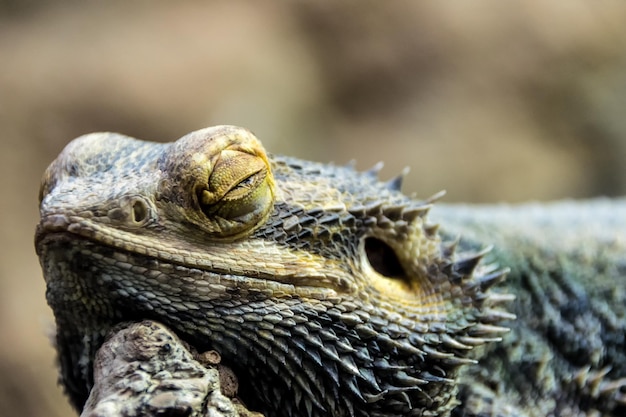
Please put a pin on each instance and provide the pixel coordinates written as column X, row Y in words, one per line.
column 298, row 277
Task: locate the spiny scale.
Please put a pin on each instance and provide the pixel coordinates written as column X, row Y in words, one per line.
column 375, row 170
column 395, row 184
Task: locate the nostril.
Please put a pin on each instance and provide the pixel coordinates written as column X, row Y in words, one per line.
column 132, row 211
column 383, row 259
column 139, row 211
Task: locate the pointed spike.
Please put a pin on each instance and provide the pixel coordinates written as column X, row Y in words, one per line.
column 435, row 197
column 494, row 316
column 384, row 365
column 350, row 383
column 431, row 229
column 453, row 343
column 434, row 378
column 448, row 248
column 395, row 184
column 481, row 329
column 407, row 380
column 392, row 389
column 413, row 212
column 457, row 361
column 489, row 280
column 434, row 353
column 446, row 268
column 581, row 376
column 492, row 267
column 373, row 209
column 393, row 213
column 484, row 251
column 328, row 335
column 495, row 299
column 595, row 378
column 344, row 347
column 314, row 355
column 375, row 170
column 363, row 355
column 365, row 331
column 409, row 349
column 476, row 341
column 347, row 363
column 313, row 340
column 369, row 377
column 467, row 265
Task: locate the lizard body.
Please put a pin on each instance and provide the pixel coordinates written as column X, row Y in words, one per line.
column 328, row 290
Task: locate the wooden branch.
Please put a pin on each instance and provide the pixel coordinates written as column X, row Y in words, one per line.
column 144, row 369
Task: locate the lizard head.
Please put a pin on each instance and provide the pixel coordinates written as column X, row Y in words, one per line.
column 325, row 288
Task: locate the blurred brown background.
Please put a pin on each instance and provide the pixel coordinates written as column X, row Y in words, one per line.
column 493, row 101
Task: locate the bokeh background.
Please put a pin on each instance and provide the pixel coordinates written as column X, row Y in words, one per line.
column 492, row 101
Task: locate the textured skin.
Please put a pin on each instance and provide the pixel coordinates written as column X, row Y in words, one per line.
column 566, row 353
column 325, row 290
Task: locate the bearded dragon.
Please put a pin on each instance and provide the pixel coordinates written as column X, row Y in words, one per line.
column 328, row 291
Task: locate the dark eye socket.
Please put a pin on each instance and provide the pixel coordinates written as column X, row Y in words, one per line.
column 384, row 259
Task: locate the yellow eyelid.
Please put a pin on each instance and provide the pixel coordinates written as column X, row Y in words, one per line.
column 218, row 179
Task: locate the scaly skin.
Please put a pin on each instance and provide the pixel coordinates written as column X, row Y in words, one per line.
column 566, row 353
column 324, row 289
